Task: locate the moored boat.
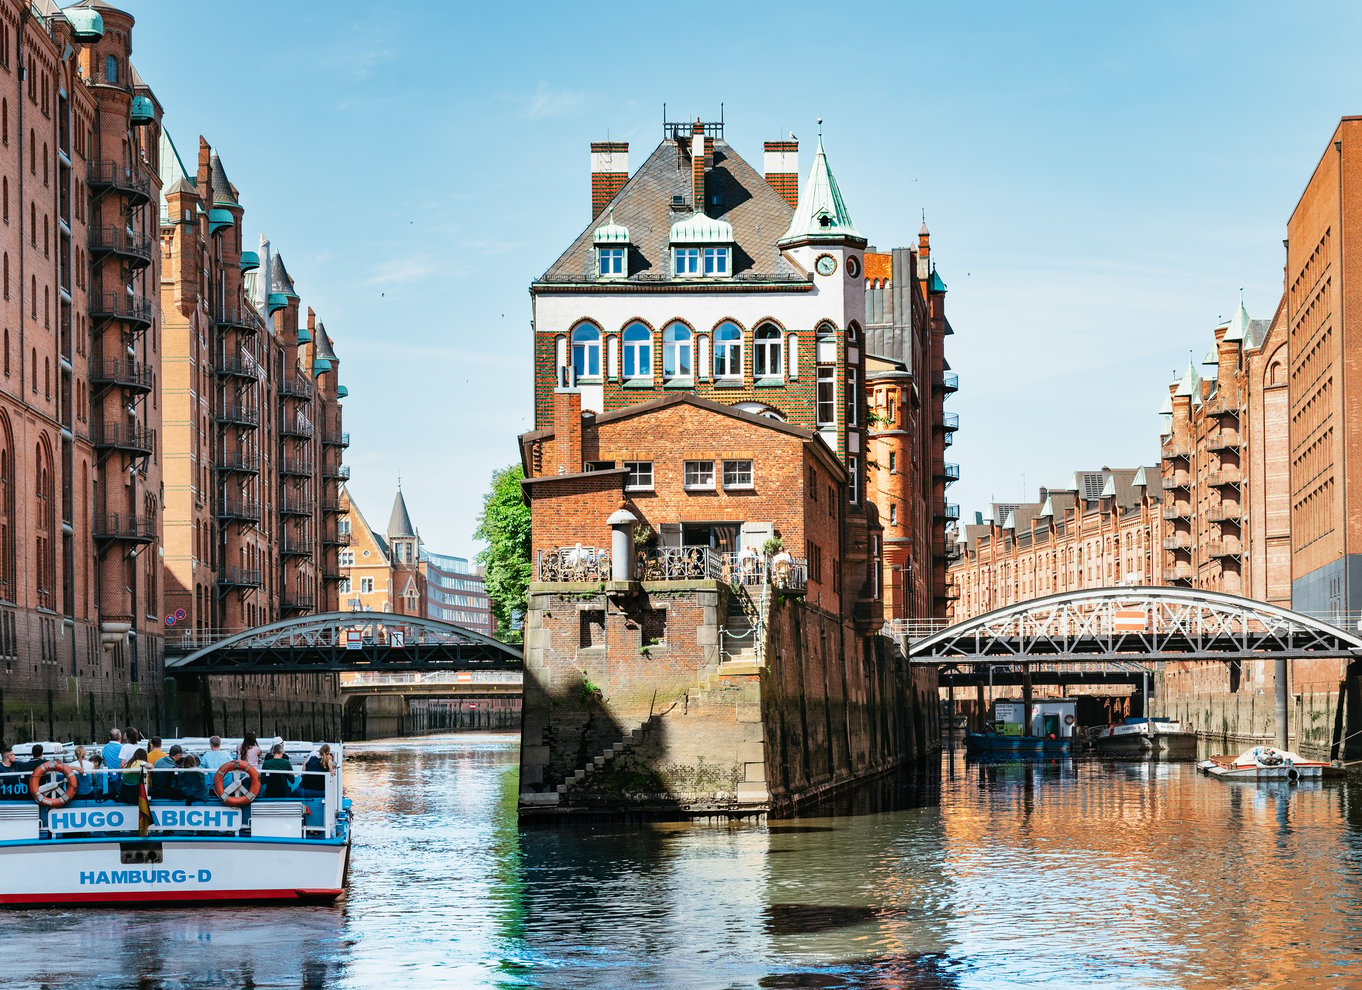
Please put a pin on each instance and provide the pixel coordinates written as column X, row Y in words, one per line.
column 233, row 833
column 1267, row 763
column 1145, row 738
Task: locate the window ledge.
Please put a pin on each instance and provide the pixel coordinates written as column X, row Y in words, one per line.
column 769, row 382
column 640, row 489
column 728, row 383
column 589, row 379
column 638, row 383
column 699, row 488
column 679, row 383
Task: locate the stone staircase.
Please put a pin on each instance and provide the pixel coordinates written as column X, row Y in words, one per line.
column 739, row 644
column 600, row 761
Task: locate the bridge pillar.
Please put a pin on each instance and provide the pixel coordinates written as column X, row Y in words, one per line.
column 1281, row 672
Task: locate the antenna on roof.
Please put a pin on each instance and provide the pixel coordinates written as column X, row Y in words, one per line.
column 820, row 128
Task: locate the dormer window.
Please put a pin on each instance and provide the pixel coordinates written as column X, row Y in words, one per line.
column 716, row 261
column 702, row 247
column 685, row 261
column 612, row 248
column 610, row 262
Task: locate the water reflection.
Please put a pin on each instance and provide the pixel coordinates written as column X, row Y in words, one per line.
column 986, row 873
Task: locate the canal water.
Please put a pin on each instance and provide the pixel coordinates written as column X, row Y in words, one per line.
column 1059, row 873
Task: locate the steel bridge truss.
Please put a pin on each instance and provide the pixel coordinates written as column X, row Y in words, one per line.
column 1143, row 624
column 347, row 641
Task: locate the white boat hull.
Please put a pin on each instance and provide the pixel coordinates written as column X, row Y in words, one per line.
column 95, row 871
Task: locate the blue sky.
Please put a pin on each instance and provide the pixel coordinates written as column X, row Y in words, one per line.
column 1100, row 181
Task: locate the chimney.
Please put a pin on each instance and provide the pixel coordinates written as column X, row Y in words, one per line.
column 782, row 169
column 609, row 172
column 567, row 433
column 698, row 163
column 924, row 252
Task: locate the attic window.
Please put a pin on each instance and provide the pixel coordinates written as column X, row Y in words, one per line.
column 678, row 202
column 610, row 262
column 825, row 221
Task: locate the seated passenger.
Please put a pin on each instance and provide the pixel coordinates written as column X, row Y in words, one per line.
column 193, row 781
column 85, row 781
column 277, row 772
column 13, row 782
column 105, row 784
column 215, row 757
column 318, row 767
column 154, row 751
column 131, row 779
column 29, row 765
column 163, row 780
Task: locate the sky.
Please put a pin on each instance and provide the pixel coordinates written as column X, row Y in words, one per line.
column 1101, row 182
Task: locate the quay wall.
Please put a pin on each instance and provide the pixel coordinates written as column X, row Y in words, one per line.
column 293, row 706
column 628, row 709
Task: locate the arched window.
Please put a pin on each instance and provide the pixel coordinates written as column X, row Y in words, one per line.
column 728, row 351
column 766, row 354
column 638, row 351
column 853, row 331
column 676, row 351
column 586, row 351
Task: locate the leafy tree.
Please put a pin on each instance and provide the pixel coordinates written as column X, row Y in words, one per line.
column 505, row 525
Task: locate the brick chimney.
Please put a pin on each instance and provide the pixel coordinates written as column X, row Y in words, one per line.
column 566, row 455
column 609, row 172
column 782, row 169
column 698, row 162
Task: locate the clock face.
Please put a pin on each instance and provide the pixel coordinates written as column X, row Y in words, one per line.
column 853, row 266
column 826, row 264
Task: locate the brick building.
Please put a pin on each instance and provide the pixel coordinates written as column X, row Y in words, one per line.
column 252, row 417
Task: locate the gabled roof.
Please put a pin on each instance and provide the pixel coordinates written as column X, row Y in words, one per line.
column 822, row 214
column 746, row 201
column 355, row 513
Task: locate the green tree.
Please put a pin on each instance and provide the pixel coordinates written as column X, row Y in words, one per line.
column 505, row 525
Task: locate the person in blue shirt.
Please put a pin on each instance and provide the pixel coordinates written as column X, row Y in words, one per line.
column 85, row 781
column 112, row 749
column 215, row 757
column 13, row 781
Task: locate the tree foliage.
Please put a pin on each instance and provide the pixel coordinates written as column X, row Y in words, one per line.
column 505, row 525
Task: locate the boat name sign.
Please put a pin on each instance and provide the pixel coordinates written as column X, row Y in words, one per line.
column 60, row 822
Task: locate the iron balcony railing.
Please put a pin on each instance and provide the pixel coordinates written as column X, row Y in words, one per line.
column 330, row 504
column 577, row 564
column 949, row 422
column 135, row 376
column 1224, row 477
column 951, row 511
column 1181, row 573
column 238, row 509
column 1224, row 512
column 120, row 436
column 1179, row 479
column 120, row 306
column 239, row 462
column 337, row 472
column 1176, row 449
column 122, row 178
column 296, row 546
column 239, row 577
column 747, row 568
column 293, row 387
column 296, row 601
column 584, row 564
column 122, row 242
column 336, row 438
column 1223, row 440
column 295, row 505
column 236, row 364
column 125, row 526
column 948, row 382
column 238, row 414
column 1224, row 548
column 949, row 471
column 335, row 538
column 1173, row 512
column 296, row 466
column 295, row 426
column 1178, row 541
column 237, row 318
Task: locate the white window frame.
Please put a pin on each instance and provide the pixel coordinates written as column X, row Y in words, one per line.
column 825, row 374
column 343, row 527
column 366, row 586
column 346, row 558
column 853, row 396
column 590, row 350
column 344, row 588
column 717, row 262
column 768, row 351
column 639, row 351
column 686, row 262
column 674, row 349
column 640, row 476
column 698, row 476
column 728, row 351
column 853, row 480
column 610, row 262
column 734, row 472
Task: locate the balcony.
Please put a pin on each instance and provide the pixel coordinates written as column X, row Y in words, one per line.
column 749, row 568
column 949, row 471
column 125, row 527
column 296, row 467
column 294, row 504
column 241, row 318
column 1224, row 548
column 136, row 249
column 138, row 440
column 948, row 382
column 296, row 601
column 336, row 438
column 239, row 577
column 1222, row 406
column 331, row 571
column 1175, row 449
column 1173, row 512
column 1225, row 477
column 238, row 510
column 120, row 178
column 120, row 306
column 1225, row 512
column 135, row 376
column 236, row 364
column 1178, row 541
column 1223, row 440
column 238, row 414
column 335, row 538
column 950, row 422
column 336, row 472
column 1178, row 479
column 293, row 387
column 331, row 505
column 295, row 426
column 1181, row 572
column 296, row 546
column 951, row 511
column 239, row 462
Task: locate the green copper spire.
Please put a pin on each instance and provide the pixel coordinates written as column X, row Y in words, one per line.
column 822, row 214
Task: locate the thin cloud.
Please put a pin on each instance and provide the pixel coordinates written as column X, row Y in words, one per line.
column 547, row 101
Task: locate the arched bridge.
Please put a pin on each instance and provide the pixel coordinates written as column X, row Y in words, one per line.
column 345, row 641
column 1102, row 625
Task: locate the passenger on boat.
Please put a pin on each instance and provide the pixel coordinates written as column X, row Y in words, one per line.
column 318, row 767
column 132, row 742
column 112, row 750
column 13, row 784
column 249, row 751
column 215, row 757
column 154, row 751
column 192, row 781
column 104, row 783
column 34, row 761
column 278, row 773
column 85, row 781
column 131, row 778
column 164, row 782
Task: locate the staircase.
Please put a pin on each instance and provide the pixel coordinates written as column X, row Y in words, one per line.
column 599, row 762
column 740, row 641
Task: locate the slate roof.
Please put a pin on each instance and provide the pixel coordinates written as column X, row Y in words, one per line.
column 399, row 523
column 222, row 189
column 325, row 349
column 757, row 213
column 279, row 277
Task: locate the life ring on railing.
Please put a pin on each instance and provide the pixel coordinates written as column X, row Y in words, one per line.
column 1068, row 720
column 45, row 795
column 239, row 792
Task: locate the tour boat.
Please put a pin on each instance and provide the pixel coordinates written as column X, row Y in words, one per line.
column 235, row 844
column 1146, row 738
column 1267, row 763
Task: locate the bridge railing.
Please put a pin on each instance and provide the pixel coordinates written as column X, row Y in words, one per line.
column 362, row 679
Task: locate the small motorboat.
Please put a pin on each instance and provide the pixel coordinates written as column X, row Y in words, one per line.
column 1147, row 739
column 1268, row 763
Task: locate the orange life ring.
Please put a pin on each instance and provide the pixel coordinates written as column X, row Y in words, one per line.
column 220, row 783
column 52, row 801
